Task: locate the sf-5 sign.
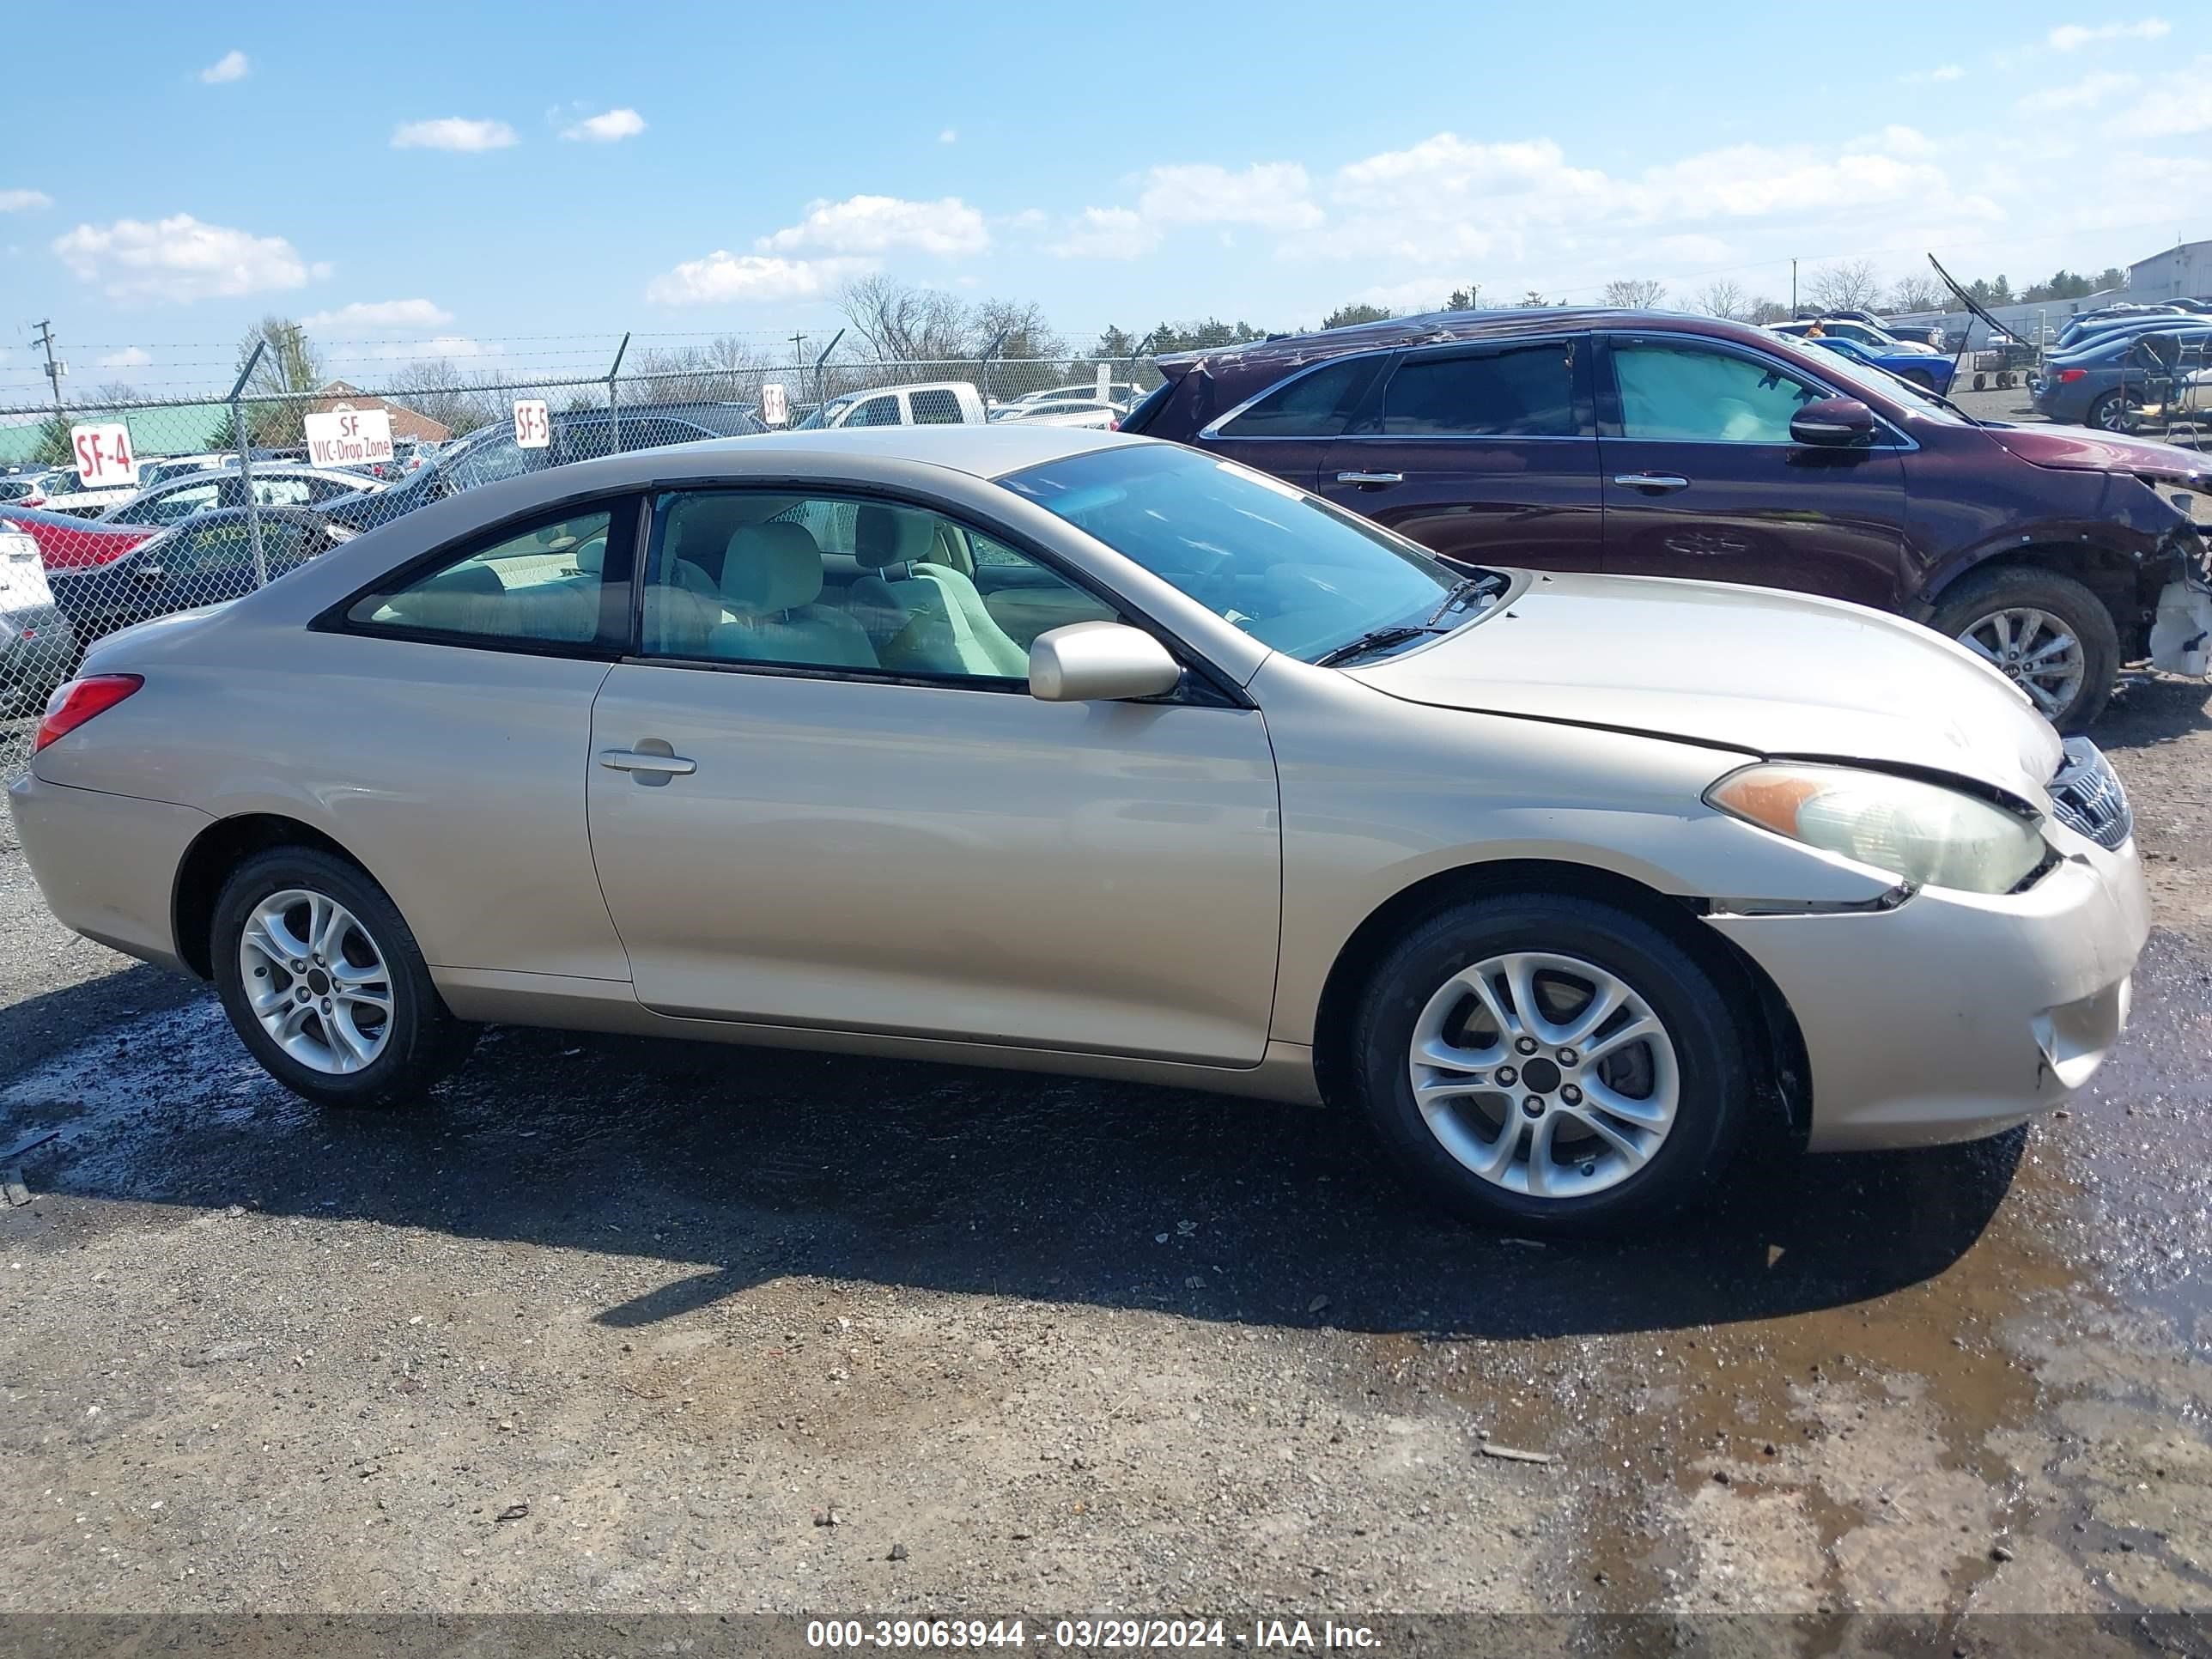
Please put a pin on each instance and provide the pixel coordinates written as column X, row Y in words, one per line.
column 349, row 437
column 534, row 424
column 104, row 459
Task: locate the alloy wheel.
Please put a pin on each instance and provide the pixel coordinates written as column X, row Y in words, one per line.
column 2033, row 649
column 2121, row 414
column 316, row 981
column 1544, row 1075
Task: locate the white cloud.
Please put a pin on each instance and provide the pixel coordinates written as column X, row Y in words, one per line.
column 1905, row 141
column 950, row 136
column 876, row 224
column 233, row 65
column 2086, row 92
column 129, row 357
column 610, row 128
column 1271, row 194
column 1107, row 234
column 725, row 278
column 178, row 259
column 443, row 345
column 1941, row 72
column 452, row 132
column 383, row 313
column 2072, row 37
column 14, row 200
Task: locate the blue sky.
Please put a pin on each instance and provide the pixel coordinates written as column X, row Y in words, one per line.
column 407, row 181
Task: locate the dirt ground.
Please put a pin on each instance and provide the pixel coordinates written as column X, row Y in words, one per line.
column 621, row 1327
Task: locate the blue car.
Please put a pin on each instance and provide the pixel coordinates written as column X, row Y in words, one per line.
column 1921, row 368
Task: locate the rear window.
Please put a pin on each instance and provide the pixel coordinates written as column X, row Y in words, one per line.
column 938, row 405
column 1147, row 406
column 1315, row 404
column 1522, row 391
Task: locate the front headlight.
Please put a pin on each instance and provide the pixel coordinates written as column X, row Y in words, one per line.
column 1921, row 832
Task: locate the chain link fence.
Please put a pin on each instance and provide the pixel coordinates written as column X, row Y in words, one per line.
column 114, row 513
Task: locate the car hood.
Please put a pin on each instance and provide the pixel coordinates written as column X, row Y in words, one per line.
column 1743, row 668
column 2078, row 449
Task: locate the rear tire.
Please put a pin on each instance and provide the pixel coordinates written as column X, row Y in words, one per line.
column 1985, row 610
column 1632, row 1125
column 2117, row 410
column 326, row 986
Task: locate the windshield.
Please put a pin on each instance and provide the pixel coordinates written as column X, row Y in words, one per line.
column 1863, row 377
column 1295, row 573
column 829, row 412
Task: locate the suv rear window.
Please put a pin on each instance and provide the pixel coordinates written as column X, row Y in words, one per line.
column 1522, row 391
column 1314, row 404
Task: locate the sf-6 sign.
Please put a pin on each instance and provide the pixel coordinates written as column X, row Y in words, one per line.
column 104, row 459
column 349, row 437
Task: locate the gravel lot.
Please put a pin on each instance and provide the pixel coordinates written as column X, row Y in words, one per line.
column 625, row 1327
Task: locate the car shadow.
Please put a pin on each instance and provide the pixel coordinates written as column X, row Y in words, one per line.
column 737, row 1166
column 2157, row 709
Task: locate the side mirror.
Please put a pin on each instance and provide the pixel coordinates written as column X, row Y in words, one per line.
column 1100, row 662
column 1834, row 424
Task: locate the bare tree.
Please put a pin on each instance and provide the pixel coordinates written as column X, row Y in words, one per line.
column 1763, row 310
column 727, row 371
column 289, row 366
column 1909, row 293
column 1846, row 285
column 1724, row 299
column 1638, row 294
column 901, row 323
column 436, row 388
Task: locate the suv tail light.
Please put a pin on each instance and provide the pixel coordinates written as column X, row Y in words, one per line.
column 2068, row 376
column 73, row 704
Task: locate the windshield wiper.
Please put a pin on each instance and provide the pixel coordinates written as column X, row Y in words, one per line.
column 1466, row 588
column 1374, row 640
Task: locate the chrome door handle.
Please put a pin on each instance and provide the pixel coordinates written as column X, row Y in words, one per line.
column 632, row 760
column 1370, row 478
column 1657, row 484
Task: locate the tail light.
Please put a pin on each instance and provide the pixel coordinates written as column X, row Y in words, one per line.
column 73, row 704
column 2068, row 376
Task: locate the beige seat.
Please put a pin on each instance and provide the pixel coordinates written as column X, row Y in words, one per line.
column 771, row 579
column 924, row 615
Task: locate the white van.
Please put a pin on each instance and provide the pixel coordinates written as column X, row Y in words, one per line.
column 940, row 403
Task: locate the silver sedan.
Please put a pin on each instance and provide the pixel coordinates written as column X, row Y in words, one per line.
column 1058, row 750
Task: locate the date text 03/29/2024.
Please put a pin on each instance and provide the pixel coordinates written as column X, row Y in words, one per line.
column 1099, row 1635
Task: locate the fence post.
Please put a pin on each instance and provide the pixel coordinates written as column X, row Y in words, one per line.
column 245, row 464
column 614, row 391
column 822, row 374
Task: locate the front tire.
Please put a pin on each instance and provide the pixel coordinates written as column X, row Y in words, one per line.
column 1552, row 1064
column 326, row 986
column 2046, row 633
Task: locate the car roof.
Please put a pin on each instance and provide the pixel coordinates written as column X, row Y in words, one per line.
column 987, row 452
column 1282, row 352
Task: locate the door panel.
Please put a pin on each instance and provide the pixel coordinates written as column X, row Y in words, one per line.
column 1701, row 479
column 1530, row 501
column 942, row 861
column 1485, row 454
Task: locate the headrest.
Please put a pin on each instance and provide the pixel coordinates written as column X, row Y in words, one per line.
column 884, row 536
column 592, row 556
column 770, row 567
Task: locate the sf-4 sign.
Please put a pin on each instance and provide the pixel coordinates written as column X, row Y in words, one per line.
column 533, row 425
column 104, row 459
column 349, row 437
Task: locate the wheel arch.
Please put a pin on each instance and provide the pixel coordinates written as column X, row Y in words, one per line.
column 1771, row 1038
column 208, row 862
column 2113, row 575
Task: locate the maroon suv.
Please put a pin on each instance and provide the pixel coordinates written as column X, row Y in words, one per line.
column 1647, row 444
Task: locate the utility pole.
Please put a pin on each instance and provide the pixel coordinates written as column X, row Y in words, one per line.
column 1793, row 290
column 54, row 370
